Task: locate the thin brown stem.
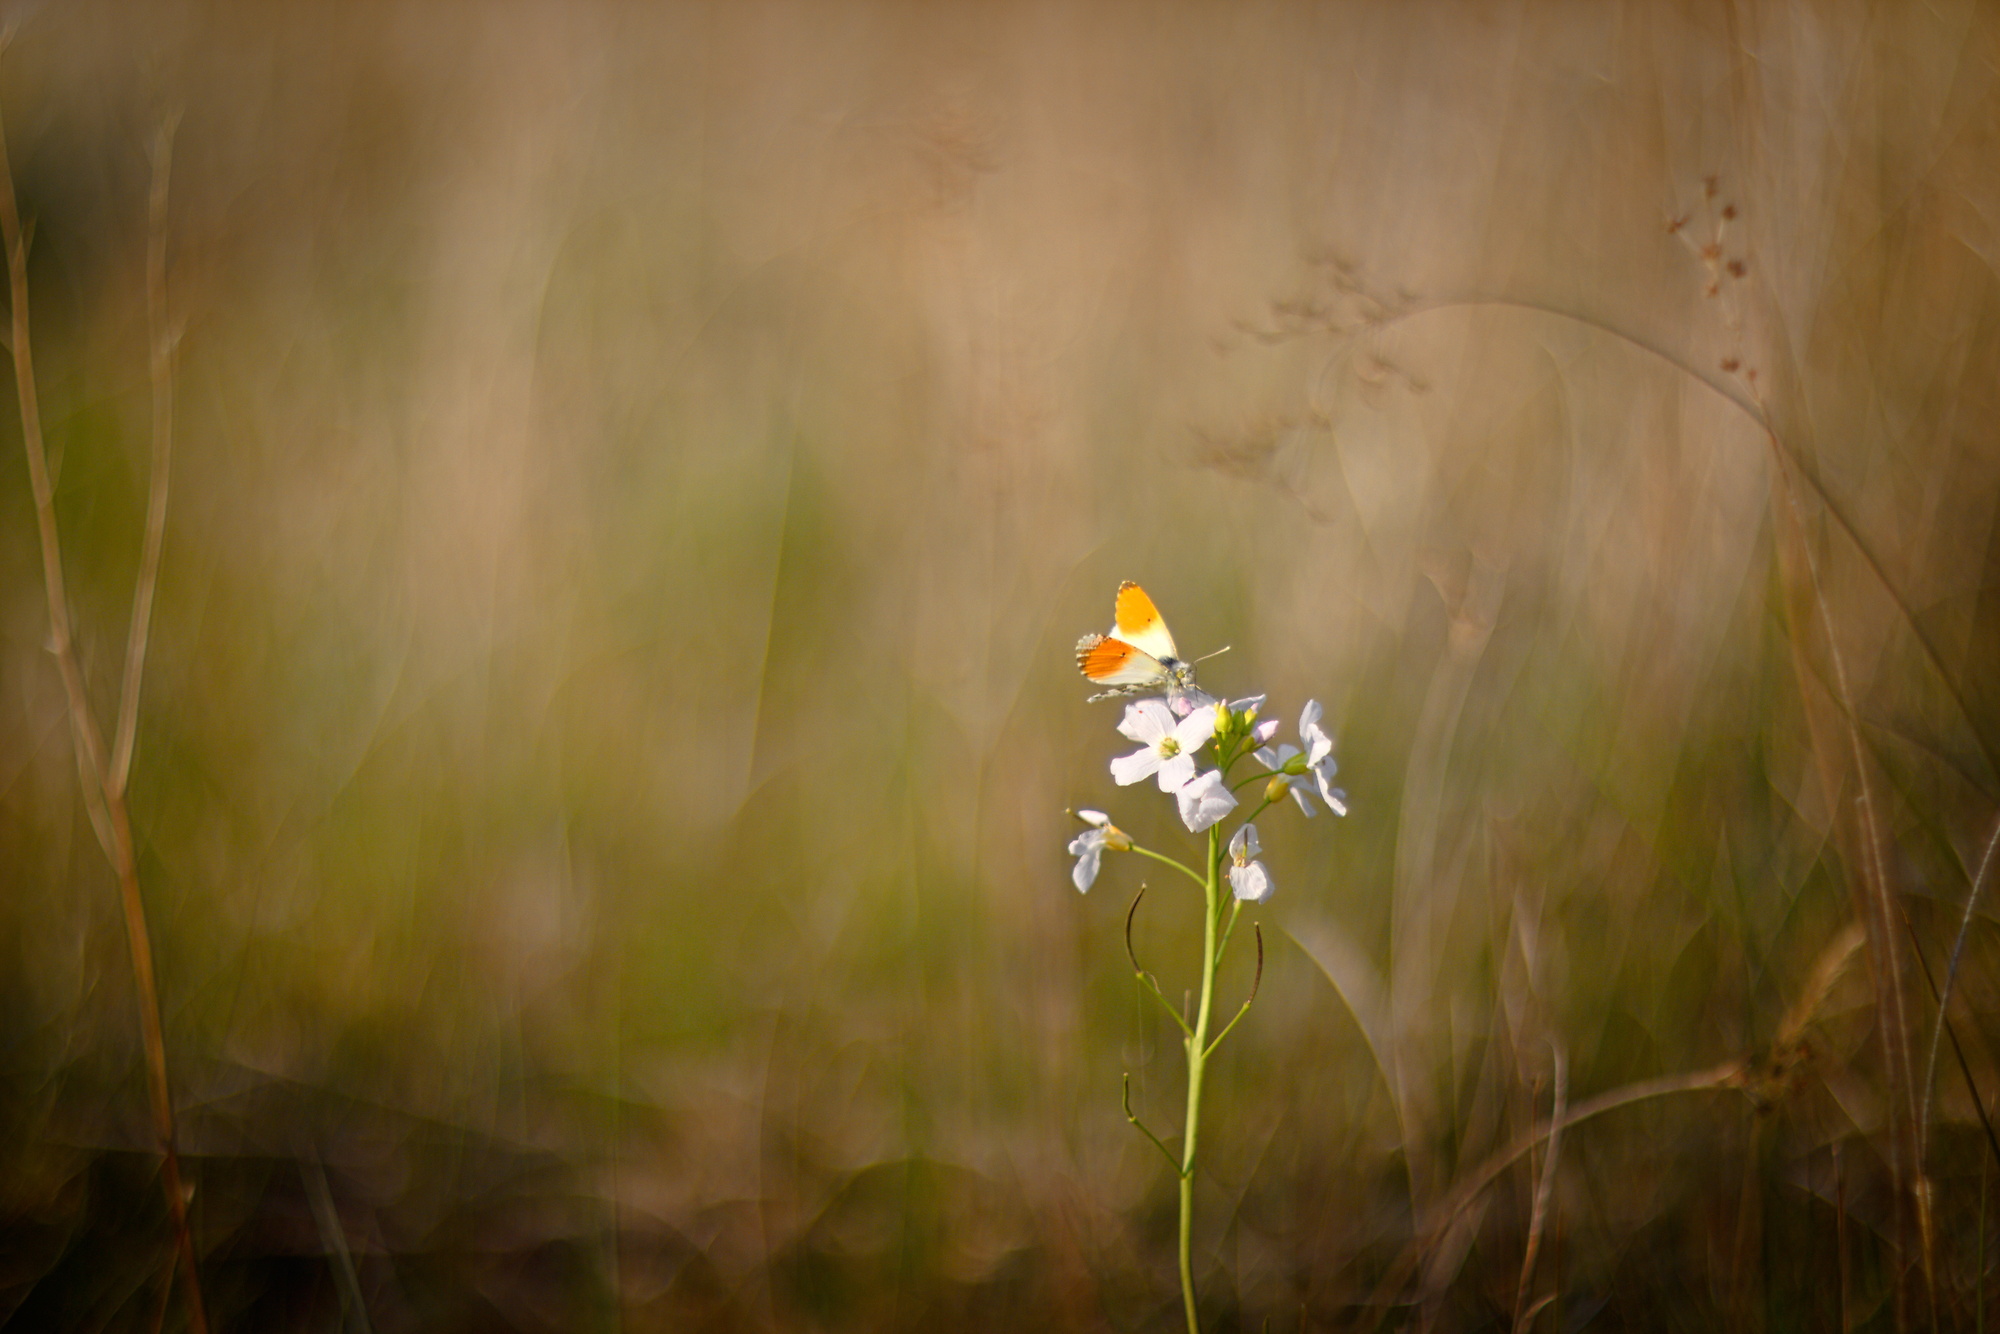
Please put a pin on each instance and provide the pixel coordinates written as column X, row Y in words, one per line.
column 158, row 1320
column 83, row 727
column 1944, row 995
column 1872, row 892
column 1840, row 1230
column 161, row 366
column 1875, row 899
column 1538, row 1217
column 103, row 798
column 1727, row 1075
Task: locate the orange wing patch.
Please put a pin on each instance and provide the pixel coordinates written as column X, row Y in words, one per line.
column 1136, row 614
column 1139, row 623
column 1114, row 662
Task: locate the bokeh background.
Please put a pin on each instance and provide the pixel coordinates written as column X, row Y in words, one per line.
column 640, row 471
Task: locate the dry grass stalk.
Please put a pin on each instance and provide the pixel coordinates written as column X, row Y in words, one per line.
column 163, row 342
column 1730, row 1074
column 1972, row 895
column 1874, row 900
column 103, row 776
column 1826, row 971
column 1523, row 1316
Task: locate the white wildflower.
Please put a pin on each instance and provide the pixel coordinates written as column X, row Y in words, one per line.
column 1205, row 800
column 1167, row 746
column 1247, row 876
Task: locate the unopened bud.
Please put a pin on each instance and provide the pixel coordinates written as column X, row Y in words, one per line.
column 1275, row 789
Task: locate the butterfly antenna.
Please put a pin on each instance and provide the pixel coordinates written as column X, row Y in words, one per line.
column 1218, row 653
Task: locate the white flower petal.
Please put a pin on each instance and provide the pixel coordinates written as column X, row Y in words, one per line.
column 1088, row 856
column 1245, row 847
column 1195, row 729
column 1146, row 721
column 1098, row 818
column 1264, row 731
column 1274, row 760
column 1205, row 800
column 1251, row 883
column 1318, row 744
column 1176, row 773
column 1336, row 799
column 1129, row 769
column 1302, row 794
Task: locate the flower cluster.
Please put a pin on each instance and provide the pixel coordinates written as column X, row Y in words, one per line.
column 1289, row 764
column 1172, row 742
column 1189, row 743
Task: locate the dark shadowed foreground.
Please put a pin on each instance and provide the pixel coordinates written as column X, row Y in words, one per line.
column 598, row 789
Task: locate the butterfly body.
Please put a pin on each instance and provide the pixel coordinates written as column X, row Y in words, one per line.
column 1138, row 656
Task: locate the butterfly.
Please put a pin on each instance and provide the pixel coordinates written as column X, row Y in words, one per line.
column 1138, row 657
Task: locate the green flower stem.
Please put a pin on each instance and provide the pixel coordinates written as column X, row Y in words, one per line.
column 1133, row 1117
column 1197, row 1050
column 1235, row 911
column 1182, row 867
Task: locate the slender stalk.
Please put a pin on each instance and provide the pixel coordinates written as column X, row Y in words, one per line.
column 1538, row 1216
column 1873, row 895
column 1165, row 860
column 161, row 366
column 1871, row 889
column 1256, row 981
column 1944, row 997
column 1235, row 911
column 103, row 789
column 1143, row 1129
column 1730, row 1074
column 1152, row 984
column 1979, row 1299
column 1197, row 1050
column 83, row 727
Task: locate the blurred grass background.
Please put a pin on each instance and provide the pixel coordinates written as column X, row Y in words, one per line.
column 610, row 713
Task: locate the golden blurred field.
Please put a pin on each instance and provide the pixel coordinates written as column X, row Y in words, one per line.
column 638, row 474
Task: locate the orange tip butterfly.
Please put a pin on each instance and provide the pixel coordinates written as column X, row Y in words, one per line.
column 1138, row 657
